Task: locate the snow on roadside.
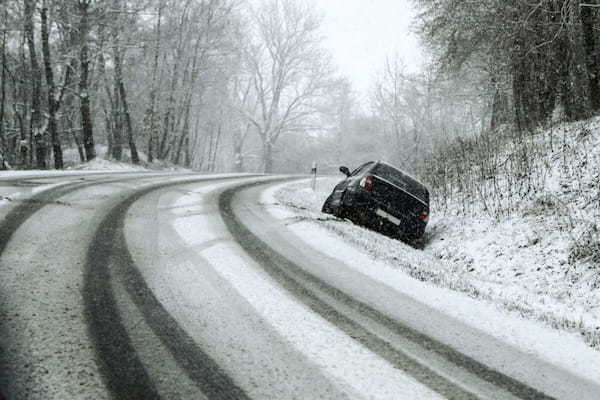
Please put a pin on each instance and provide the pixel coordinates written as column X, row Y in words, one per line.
column 96, row 166
column 101, row 164
column 93, row 167
column 519, row 264
column 11, row 196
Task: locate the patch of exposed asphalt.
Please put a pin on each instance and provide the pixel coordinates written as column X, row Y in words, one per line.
column 120, row 365
column 300, row 283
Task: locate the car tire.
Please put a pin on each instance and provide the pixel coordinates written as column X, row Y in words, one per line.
column 342, row 210
column 419, row 243
column 327, row 209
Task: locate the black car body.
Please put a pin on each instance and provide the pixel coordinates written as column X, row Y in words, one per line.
column 383, row 198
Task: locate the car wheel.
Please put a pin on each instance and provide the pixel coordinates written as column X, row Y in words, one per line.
column 327, row 207
column 342, row 211
column 418, row 242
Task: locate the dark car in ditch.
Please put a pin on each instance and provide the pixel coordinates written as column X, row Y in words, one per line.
column 384, row 198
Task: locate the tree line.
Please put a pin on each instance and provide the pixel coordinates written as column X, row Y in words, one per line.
column 535, row 57
column 235, row 85
column 209, row 84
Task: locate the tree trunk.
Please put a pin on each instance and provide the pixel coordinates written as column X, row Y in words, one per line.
column 21, row 111
column 78, row 144
column 167, row 128
column 577, row 93
column 150, row 149
column 51, row 91
column 123, row 97
column 117, row 128
column 268, row 156
column 500, row 113
column 108, row 124
column 216, row 147
column 238, row 156
column 4, row 152
column 84, row 66
column 590, row 18
column 150, row 111
column 180, row 144
column 36, row 130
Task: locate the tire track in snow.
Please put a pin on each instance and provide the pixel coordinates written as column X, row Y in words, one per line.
column 26, row 208
column 121, row 367
column 297, row 281
column 30, row 205
column 21, row 213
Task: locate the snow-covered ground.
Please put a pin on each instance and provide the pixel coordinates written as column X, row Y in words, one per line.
column 101, row 164
column 94, row 166
column 98, row 165
column 520, row 264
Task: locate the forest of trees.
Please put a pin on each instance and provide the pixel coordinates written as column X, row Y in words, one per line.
column 236, row 85
column 199, row 83
column 536, row 56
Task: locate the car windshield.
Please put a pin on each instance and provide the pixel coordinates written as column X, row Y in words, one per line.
column 403, row 181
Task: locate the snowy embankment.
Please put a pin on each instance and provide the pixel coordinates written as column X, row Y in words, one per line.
column 538, row 263
column 436, row 282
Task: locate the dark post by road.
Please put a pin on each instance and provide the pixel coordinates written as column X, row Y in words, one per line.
column 313, row 171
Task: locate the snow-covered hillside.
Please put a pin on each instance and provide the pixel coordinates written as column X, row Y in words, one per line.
column 540, row 260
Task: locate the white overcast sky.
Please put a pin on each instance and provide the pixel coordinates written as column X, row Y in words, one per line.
column 361, row 33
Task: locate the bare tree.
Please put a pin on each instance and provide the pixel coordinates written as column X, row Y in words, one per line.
column 53, row 101
column 183, row 36
column 3, row 141
column 121, row 86
column 242, row 98
column 389, row 100
column 212, row 15
column 289, row 70
column 538, row 55
column 84, row 7
column 150, row 120
column 37, row 129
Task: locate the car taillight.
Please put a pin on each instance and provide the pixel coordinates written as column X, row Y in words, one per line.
column 424, row 216
column 367, row 182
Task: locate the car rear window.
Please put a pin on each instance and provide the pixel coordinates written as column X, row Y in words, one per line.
column 360, row 169
column 403, row 181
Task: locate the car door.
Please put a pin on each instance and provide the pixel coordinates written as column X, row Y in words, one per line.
column 352, row 180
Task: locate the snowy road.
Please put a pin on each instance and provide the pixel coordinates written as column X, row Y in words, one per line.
column 143, row 286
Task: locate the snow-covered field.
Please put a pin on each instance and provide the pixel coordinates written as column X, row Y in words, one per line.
column 520, row 264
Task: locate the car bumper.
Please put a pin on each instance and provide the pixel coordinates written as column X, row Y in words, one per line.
column 372, row 213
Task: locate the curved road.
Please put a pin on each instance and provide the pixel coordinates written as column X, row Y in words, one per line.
column 170, row 286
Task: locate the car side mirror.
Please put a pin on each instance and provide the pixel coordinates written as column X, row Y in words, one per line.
column 345, row 171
